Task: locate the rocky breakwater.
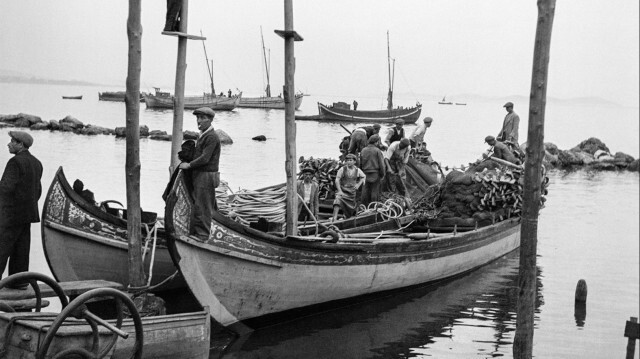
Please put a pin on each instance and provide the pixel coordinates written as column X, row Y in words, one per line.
column 72, row 124
column 590, row 154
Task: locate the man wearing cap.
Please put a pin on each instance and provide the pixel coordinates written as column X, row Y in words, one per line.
column 500, row 150
column 509, row 131
column 359, row 138
column 396, row 133
column 421, row 130
column 396, row 157
column 308, row 192
column 373, row 165
column 204, row 171
column 348, row 179
column 20, row 190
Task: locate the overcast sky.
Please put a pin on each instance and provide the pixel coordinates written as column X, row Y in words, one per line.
column 440, row 46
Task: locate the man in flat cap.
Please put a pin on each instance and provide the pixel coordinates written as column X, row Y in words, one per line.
column 204, row 172
column 396, row 133
column 373, row 165
column 500, row 150
column 360, row 137
column 20, row 190
column 418, row 135
column 396, row 158
column 509, row 131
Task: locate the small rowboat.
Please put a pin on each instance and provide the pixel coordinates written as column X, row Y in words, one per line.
column 72, row 97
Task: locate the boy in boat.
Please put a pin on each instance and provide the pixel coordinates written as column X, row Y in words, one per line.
column 308, row 192
column 348, row 179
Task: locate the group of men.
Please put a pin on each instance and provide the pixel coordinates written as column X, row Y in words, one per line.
column 20, row 187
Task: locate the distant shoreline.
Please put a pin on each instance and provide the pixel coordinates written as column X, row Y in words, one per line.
column 40, row 81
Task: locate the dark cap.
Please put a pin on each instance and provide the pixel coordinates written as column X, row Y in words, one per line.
column 350, row 156
column 508, row 104
column 399, row 121
column 205, row 111
column 374, row 139
column 489, row 139
column 404, row 142
column 22, row 137
column 308, row 170
column 427, row 120
column 376, row 126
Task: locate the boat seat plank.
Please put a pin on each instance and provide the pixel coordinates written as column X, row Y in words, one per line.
column 71, row 289
column 182, row 34
column 25, row 304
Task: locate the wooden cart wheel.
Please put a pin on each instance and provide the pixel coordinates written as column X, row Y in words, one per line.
column 78, row 309
column 33, row 278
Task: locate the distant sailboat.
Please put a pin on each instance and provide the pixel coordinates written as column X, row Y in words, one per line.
column 267, row 101
column 444, row 101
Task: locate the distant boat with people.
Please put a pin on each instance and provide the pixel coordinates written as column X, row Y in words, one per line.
column 165, row 100
column 341, row 111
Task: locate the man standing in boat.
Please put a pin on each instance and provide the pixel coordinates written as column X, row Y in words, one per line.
column 396, row 133
column 355, row 105
column 421, row 130
column 373, row 166
column 348, row 179
column 204, row 171
column 307, row 188
column 20, row 190
column 509, row 131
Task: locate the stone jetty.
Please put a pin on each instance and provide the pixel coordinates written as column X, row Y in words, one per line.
column 72, row 124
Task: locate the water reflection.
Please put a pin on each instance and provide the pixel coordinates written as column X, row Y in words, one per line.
column 474, row 314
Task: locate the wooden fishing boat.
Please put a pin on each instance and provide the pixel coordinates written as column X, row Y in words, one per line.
column 250, row 278
column 116, row 96
column 193, row 102
column 268, row 102
column 83, row 242
column 339, row 112
column 72, row 97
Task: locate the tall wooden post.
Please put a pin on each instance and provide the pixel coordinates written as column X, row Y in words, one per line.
column 288, row 92
column 178, row 95
column 523, row 341
column 132, row 167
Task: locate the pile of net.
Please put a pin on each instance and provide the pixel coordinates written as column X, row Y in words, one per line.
column 325, row 171
column 479, row 198
column 245, row 206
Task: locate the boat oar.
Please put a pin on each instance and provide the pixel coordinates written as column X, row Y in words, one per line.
column 349, row 132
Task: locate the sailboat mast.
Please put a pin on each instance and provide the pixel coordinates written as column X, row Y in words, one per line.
column 266, row 65
column 390, row 94
column 209, row 68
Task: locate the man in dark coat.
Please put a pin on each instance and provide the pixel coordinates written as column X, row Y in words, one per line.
column 373, row 166
column 20, row 190
column 204, row 172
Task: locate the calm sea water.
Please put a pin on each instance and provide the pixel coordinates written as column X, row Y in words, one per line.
column 589, row 229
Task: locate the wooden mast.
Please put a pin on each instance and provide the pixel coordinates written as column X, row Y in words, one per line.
column 209, row 68
column 266, row 66
column 523, row 340
column 290, row 36
column 390, row 94
column 132, row 166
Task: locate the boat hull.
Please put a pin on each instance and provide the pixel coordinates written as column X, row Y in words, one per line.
column 243, row 274
column 194, row 102
column 268, row 102
column 81, row 242
column 72, row 97
column 409, row 115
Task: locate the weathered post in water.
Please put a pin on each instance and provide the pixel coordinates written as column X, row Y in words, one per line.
column 178, row 95
column 288, row 93
column 523, row 341
column 132, row 166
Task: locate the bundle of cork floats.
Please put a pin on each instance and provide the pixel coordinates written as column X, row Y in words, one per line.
column 478, row 198
column 325, row 171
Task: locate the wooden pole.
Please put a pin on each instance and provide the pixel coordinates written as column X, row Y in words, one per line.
column 290, row 124
column 178, row 95
column 132, row 167
column 523, row 340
